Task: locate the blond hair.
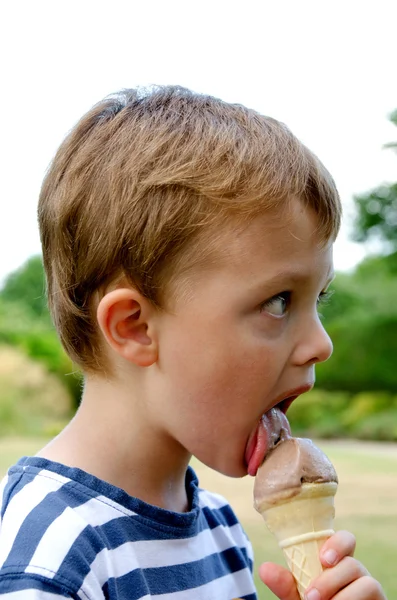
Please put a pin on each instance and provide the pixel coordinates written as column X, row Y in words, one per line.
column 141, row 177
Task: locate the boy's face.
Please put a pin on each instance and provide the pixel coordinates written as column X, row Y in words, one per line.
column 248, row 336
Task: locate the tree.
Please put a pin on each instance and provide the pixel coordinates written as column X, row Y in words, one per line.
column 27, row 285
column 377, row 210
column 26, row 324
column 361, row 319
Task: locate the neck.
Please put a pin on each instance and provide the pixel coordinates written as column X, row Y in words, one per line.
column 113, row 438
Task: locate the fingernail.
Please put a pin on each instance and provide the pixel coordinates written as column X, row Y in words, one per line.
column 330, row 557
column 313, row 595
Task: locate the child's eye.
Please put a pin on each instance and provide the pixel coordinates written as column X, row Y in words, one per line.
column 277, row 305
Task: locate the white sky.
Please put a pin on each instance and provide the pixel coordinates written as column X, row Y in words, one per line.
column 327, row 68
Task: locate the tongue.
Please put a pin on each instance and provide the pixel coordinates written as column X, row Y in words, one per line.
column 272, row 428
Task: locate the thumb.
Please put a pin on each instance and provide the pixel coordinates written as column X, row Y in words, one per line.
column 279, row 580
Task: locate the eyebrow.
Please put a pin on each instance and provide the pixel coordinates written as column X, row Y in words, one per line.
column 293, row 277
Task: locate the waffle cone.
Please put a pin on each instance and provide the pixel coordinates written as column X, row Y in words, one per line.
column 301, row 525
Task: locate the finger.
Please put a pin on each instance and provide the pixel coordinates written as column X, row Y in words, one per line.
column 279, row 580
column 339, row 545
column 365, row 588
column 331, row 581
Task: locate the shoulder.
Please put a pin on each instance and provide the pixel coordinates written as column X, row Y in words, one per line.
column 50, row 526
column 66, row 531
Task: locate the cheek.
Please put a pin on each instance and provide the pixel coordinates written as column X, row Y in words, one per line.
column 220, row 366
column 220, row 370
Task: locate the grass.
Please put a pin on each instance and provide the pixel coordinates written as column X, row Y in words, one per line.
column 365, row 503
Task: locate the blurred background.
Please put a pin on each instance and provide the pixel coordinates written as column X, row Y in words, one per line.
column 327, row 69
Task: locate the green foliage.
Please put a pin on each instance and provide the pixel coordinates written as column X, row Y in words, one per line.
column 361, row 319
column 325, row 414
column 371, row 416
column 32, row 401
column 366, row 294
column 319, row 414
column 364, row 357
column 377, row 214
column 382, row 269
column 25, row 323
column 366, row 405
column 344, row 300
column 27, row 285
column 377, row 210
column 363, row 322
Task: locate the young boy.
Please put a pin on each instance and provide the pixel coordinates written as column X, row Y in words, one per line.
column 187, row 243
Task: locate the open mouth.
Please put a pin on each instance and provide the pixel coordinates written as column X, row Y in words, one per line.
column 272, row 428
column 285, row 404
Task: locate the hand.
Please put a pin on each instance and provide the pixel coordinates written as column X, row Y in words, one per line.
column 343, row 579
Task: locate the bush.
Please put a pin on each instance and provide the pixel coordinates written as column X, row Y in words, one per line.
column 364, row 406
column 364, row 355
column 326, row 414
column 27, row 285
column 319, row 414
column 19, row 327
column 32, row 401
column 381, row 427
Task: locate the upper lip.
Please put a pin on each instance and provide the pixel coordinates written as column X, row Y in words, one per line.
column 290, row 395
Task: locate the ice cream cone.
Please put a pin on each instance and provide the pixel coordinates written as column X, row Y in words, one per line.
column 301, row 524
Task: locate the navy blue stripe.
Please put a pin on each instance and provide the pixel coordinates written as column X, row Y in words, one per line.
column 16, row 482
column 137, row 528
column 250, row 564
column 77, row 563
column 132, row 587
column 20, row 581
column 136, row 588
column 111, row 535
column 39, row 519
column 177, row 578
column 90, row 482
column 219, row 516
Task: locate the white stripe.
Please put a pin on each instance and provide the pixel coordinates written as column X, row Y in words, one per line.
column 92, row 587
column 158, row 553
column 32, row 595
column 65, row 529
column 216, row 501
column 232, row 585
column 211, row 500
column 22, row 504
column 100, row 510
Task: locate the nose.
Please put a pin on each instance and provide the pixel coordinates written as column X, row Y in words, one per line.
column 314, row 345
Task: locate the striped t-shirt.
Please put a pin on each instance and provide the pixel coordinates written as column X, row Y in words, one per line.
column 67, row 534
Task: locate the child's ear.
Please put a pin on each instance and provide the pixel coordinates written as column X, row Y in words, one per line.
column 125, row 318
